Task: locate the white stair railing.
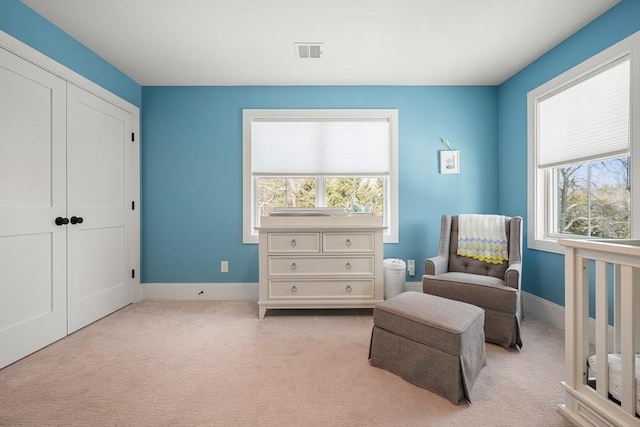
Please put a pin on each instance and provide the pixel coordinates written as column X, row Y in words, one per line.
column 583, row 404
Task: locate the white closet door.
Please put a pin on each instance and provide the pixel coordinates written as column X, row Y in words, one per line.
column 33, row 304
column 99, row 185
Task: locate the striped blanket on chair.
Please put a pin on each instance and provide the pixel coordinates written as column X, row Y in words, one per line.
column 483, row 237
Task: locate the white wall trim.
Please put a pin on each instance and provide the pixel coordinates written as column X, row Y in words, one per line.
column 199, row 291
column 249, row 234
column 553, row 314
column 540, row 236
column 413, row 286
column 214, row 291
column 533, row 306
column 540, row 308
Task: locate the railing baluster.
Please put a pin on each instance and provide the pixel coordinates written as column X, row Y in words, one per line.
column 602, row 317
column 616, row 308
column 628, row 347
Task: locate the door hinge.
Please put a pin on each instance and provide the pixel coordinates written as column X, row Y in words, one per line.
column 133, row 137
column 133, row 205
column 133, row 274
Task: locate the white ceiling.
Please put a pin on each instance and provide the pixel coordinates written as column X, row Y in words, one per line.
column 365, row 42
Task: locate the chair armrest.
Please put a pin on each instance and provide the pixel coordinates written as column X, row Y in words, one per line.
column 435, row 265
column 512, row 275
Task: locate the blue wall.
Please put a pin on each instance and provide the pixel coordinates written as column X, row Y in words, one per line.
column 192, row 169
column 24, row 24
column 192, row 152
column 544, row 272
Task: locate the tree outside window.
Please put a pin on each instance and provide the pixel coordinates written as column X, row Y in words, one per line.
column 357, row 193
column 593, row 199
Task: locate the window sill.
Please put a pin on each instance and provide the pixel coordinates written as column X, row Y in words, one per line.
column 546, row 245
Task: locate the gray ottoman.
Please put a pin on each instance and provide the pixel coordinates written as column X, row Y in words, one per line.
column 432, row 342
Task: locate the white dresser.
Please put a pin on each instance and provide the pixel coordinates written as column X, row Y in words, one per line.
column 320, row 262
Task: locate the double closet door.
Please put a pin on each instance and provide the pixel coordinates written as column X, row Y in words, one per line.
column 66, row 218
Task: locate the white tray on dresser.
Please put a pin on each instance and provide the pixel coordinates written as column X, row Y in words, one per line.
column 320, row 262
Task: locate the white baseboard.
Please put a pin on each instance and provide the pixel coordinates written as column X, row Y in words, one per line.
column 214, row 291
column 553, row 314
column 413, row 286
column 543, row 309
column 533, row 306
column 199, row 291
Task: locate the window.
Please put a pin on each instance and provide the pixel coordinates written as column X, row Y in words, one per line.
column 592, row 199
column 583, row 141
column 320, row 158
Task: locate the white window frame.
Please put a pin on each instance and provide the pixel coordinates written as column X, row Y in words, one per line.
column 249, row 234
column 540, row 182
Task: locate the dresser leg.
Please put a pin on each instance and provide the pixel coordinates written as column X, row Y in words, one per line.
column 262, row 311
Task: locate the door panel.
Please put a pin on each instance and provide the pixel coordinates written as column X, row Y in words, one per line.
column 109, row 272
column 26, row 158
column 99, row 179
column 98, row 155
column 33, row 297
column 33, row 303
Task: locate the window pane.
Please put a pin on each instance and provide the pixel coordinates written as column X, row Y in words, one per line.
column 610, row 199
column 572, row 204
column 356, row 192
column 276, row 193
column 593, row 199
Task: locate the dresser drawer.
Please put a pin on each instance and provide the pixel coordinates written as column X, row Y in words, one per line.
column 285, row 289
column 293, row 242
column 348, row 242
column 321, row 265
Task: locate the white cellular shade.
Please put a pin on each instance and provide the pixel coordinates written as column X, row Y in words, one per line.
column 323, row 146
column 587, row 120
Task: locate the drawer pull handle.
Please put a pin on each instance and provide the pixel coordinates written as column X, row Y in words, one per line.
column 348, row 242
column 348, row 266
column 348, row 288
column 293, row 266
column 293, row 243
column 294, row 289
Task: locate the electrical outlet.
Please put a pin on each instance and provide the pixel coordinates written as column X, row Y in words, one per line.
column 224, row 266
column 411, row 266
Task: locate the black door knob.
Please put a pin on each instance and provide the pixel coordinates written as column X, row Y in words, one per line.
column 62, row 221
column 76, row 220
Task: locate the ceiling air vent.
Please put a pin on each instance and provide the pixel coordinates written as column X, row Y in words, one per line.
column 307, row 50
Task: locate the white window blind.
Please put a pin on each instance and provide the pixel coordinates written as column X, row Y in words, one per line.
column 586, row 120
column 321, row 147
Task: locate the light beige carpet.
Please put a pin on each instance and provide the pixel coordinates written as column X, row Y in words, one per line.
column 213, row 363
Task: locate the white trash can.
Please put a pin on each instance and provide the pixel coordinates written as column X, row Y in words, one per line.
column 394, row 274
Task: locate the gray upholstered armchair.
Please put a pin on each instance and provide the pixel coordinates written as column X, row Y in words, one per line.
column 493, row 287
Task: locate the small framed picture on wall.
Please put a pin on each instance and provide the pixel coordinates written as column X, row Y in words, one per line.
column 449, row 161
